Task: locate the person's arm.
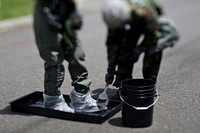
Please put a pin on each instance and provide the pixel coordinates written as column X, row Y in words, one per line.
column 169, row 35
column 57, row 11
column 158, row 6
column 113, row 44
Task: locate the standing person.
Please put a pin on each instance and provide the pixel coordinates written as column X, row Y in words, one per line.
column 127, row 22
column 55, row 24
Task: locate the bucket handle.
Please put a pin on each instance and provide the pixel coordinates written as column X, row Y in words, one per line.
column 140, row 108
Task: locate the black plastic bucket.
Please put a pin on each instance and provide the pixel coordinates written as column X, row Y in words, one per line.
column 138, row 85
column 138, row 96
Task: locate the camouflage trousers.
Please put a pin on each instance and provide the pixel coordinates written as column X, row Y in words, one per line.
column 151, row 65
column 150, row 68
column 54, row 50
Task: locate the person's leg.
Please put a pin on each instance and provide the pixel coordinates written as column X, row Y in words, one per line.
column 151, row 65
column 124, row 71
column 80, row 96
column 75, row 56
column 50, row 52
column 125, row 63
column 78, row 70
column 53, row 56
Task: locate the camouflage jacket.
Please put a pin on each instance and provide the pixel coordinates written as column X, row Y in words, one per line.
column 120, row 42
column 60, row 8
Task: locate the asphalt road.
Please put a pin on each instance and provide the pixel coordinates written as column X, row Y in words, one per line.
column 177, row 111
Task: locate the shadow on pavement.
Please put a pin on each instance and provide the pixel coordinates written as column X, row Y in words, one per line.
column 111, row 92
column 116, row 122
column 7, row 111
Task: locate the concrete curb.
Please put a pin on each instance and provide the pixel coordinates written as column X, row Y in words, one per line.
column 15, row 23
column 10, row 24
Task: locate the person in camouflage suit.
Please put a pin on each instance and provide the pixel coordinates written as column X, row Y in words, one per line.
column 128, row 21
column 55, row 25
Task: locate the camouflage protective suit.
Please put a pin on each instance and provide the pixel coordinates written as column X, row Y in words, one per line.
column 123, row 48
column 55, row 25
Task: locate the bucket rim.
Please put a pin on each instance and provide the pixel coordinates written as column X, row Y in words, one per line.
column 153, row 83
column 142, row 94
column 142, row 90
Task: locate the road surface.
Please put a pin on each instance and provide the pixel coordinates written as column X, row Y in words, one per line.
column 177, row 111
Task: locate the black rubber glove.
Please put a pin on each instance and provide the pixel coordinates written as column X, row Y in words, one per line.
column 77, row 20
column 109, row 77
column 73, row 23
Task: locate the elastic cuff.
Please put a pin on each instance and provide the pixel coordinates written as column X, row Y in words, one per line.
column 81, row 89
column 52, row 92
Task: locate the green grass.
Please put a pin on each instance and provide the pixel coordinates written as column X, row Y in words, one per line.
column 15, row 8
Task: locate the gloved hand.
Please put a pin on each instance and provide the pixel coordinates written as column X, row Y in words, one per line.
column 74, row 22
column 134, row 55
column 77, row 20
column 109, row 77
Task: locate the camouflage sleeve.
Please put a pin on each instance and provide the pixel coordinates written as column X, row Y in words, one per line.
column 158, row 6
column 113, row 45
column 169, row 35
